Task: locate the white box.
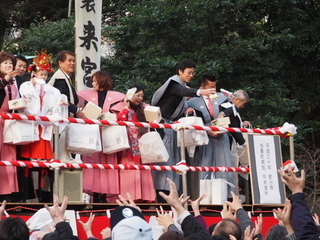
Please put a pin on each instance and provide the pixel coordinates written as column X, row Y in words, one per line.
column 17, row 104
column 108, row 116
column 152, row 113
column 92, row 111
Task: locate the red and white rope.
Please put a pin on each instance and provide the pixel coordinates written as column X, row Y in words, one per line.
column 58, row 164
column 273, row 131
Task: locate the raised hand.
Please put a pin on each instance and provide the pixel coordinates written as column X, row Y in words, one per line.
column 173, row 198
column 57, row 212
column 294, row 183
column 163, row 218
column 87, row 227
column 195, row 204
column 123, row 202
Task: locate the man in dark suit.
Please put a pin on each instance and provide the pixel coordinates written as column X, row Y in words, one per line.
column 171, row 98
column 61, row 80
column 231, row 110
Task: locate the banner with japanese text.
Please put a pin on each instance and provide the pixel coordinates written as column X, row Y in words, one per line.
column 87, row 41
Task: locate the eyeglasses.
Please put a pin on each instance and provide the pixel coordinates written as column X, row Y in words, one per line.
column 191, row 73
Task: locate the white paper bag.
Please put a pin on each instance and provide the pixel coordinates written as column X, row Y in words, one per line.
column 152, row 149
column 157, row 230
column 30, row 94
column 243, row 155
column 83, row 139
column 20, row 132
column 219, row 191
column 206, row 188
column 193, row 137
column 114, row 139
column 243, row 151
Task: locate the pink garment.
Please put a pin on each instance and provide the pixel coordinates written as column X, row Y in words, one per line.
column 112, row 97
column 138, row 183
column 104, row 180
column 9, row 180
column 101, row 180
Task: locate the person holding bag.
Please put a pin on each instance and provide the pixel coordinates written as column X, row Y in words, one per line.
column 217, row 152
column 8, row 91
column 171, row 98
column 230, row 108
column 43, row 100
column 138, row 183
column 100, row 182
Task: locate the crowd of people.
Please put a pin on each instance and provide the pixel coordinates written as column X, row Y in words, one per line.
column 175, row 99
column 57, row 96
column 127, row 222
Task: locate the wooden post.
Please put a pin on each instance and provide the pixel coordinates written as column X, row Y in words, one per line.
column 56, row 156
column 291, row 142
column 183, row 157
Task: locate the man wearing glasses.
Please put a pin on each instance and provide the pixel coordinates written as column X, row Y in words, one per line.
column 171, row 98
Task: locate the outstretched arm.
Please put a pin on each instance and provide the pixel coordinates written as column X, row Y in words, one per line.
column 301, row 217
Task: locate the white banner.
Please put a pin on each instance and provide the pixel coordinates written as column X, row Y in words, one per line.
column 266, row 169
column 87, row 41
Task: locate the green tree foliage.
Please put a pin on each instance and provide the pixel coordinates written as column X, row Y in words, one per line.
column 268, row 48
column 19, row 14
column 53, row 36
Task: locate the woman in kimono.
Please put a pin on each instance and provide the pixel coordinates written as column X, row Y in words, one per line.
column 8, row 91
column 140, row 186
column 101, row 182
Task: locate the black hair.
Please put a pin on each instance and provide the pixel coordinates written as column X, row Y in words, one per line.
column 22, row 58
column 277, row 232
column 62, row 56
column 208, row 77
column 13, row 228
column 171, row 235
column 139, row 109
column 185, row 63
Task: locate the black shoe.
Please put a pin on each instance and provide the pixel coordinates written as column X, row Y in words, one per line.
column 103, row 198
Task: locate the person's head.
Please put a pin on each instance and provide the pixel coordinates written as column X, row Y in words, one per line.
column 13, row 229
column 186, row 70
column 128, row 221
column 66, row 61
column 277, row 232
column 171, row 235
column 138, row 96
column 7, row 62
column 198, row 236
column 41, row 74
column 101, row 81
column 21, row 65
column 226, row 227
column 240, row 98
column 41, row 66
column 211, row 228
column 208, row 81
